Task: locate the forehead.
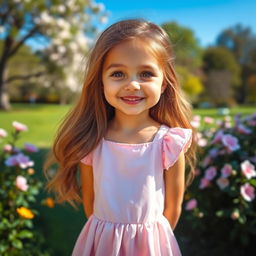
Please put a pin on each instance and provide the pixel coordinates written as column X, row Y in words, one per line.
column 133, row 51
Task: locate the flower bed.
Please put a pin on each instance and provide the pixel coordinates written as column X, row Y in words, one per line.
column 18, row 192
column 220, row 204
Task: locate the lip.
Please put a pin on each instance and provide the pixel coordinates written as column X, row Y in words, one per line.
column 132, row 100
column 132, row 97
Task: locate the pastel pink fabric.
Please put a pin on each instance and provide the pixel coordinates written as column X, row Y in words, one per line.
column 128, row 218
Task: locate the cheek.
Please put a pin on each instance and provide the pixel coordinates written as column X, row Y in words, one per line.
column 110, row 90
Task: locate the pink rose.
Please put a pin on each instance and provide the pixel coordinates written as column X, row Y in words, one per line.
column 248, row 169
column 202, row 142
column 21, row 183
column 3, row 133
column 226, row 171
column 204, row 183
column 222, row 182
column 208, row 120
column 8, row 148
column 195, row 124
column 247, row 192
column 210, row 173
column 19, row 127
column 191, row 204
column 230, row 142
column 197, row 118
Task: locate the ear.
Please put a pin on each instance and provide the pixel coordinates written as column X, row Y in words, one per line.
column 164, row 85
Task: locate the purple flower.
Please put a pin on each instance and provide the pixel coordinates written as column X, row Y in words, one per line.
column 206, row 161
column 213, row 152
column 204, row 183
column 226, row 171
column 243, row 130
column 191, row 204
column 210, row 173
column 19, row 160
column 218, row 136
column 247, row 191
column 230, row 142
column 30, row 148
column 222, row 182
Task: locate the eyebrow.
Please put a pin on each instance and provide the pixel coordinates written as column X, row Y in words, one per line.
column 117, row 65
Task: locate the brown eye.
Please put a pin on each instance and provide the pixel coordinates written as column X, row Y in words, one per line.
column 147, row 74
column 117, row 74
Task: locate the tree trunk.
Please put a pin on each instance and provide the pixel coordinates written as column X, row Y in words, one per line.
column 4, row 98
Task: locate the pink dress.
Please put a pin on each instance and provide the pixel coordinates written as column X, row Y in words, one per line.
column 129, row 192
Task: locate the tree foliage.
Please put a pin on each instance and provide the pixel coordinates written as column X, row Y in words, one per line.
column 62, row 30
column 219, row 58
column 186, row 46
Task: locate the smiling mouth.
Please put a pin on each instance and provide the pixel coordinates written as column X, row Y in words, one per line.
column 132, row 100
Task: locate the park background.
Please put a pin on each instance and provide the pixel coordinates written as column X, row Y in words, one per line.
column 43, row 48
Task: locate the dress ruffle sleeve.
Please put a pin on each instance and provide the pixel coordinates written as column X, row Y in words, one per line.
column 175, row 141
column 87, row 160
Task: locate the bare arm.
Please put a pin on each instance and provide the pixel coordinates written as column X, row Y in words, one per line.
column 174, row 179
column 86, row 172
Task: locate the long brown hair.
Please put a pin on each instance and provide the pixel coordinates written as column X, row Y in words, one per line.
column 86, row 124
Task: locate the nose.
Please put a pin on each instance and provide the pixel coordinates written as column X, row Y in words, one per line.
column 133, row 85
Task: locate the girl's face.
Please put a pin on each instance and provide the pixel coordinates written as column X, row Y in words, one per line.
column 132, row 78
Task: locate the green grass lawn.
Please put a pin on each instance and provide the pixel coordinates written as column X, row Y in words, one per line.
column 43, row 119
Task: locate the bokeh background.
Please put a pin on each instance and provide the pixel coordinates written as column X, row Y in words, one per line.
column 43, row 51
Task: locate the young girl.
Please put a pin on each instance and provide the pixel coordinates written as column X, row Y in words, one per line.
column 129, row 133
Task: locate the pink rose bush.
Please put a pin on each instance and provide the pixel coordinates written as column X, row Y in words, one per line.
column 224, row 188
column 18, row 192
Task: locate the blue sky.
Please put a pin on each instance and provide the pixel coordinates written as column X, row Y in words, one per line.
column 207, row 18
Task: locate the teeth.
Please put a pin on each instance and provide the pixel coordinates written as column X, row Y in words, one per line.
column 132, row 99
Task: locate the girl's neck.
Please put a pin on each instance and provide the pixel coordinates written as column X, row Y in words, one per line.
column 131, row 123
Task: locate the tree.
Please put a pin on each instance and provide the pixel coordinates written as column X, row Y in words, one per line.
column 190, row 83
column 242, row 43
column 60, row 29
column 186, row 47
column 219, row 58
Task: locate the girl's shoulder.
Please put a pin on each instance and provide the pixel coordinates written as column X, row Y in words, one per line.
column 175, row 140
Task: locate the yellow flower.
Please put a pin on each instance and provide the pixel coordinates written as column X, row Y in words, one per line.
column 25, row 213
column 31, row 171
column 49, row 202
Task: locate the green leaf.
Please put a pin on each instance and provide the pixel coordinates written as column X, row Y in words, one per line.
column 17, row 244
column 253, row 182
column 220, row 213
column 25, row 234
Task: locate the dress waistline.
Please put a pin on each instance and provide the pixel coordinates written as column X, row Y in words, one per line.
column 158, row 218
